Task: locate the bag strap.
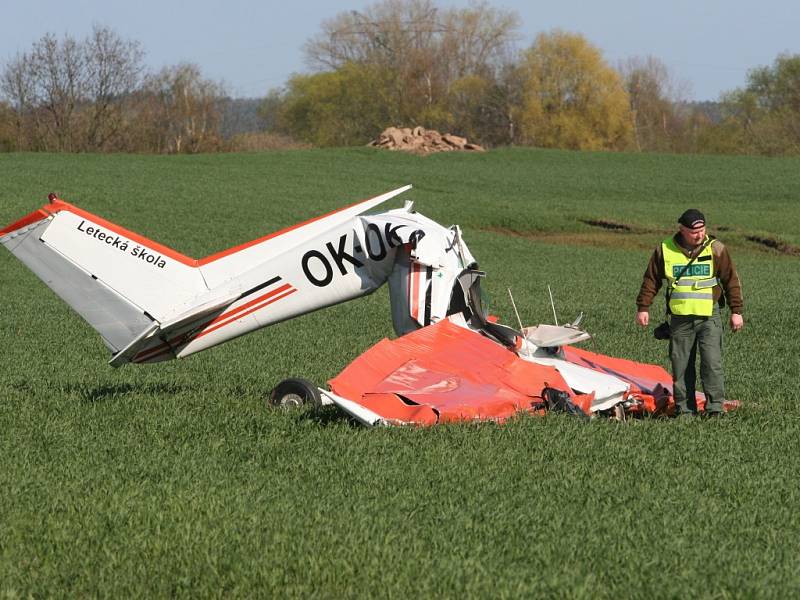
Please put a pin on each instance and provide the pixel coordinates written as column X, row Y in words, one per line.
column 684, row 269
column 691, row 260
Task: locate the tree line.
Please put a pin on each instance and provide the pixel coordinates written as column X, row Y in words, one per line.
column 95, row 95
column 397, row 62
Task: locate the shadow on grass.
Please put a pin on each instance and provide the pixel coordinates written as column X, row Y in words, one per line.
column 324, row 416
column 119, row 391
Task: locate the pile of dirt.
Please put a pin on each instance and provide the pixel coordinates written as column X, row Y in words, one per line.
column 422, row 141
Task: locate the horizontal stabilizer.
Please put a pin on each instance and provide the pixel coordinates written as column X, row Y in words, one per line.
column 198, row 315
column 125, row 355
column 115, row 318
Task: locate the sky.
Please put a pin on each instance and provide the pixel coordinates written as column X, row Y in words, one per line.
column 253, row 46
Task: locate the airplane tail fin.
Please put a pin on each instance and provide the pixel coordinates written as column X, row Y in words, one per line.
column 119, row 282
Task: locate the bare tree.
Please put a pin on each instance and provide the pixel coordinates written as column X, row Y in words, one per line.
column 383, row 34
column 16, row 84
column 478, row 40
column 655, row 96
column 68, row 95
column 114, row 71
column 184, row 109
column 427, row 47
column 58, row 74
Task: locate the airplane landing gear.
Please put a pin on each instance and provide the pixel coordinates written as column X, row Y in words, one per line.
column 295, row 392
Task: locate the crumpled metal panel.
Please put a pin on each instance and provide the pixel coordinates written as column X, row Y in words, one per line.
column 442, row 373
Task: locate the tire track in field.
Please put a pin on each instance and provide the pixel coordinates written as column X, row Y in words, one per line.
column 613, row 234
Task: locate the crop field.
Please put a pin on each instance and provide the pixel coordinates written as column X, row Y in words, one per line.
column 177, row 479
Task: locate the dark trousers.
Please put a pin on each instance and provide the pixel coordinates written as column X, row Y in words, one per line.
column 689, row 336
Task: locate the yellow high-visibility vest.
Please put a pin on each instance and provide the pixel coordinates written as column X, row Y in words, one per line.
column 692, row 294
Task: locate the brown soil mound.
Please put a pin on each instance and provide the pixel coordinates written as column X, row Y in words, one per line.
column 422, row 141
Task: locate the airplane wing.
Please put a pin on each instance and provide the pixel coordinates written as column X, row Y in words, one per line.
column 440, row 373
column 449, row 372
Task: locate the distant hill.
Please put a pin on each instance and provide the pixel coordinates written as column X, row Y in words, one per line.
column 240, row 115
column 713, row 110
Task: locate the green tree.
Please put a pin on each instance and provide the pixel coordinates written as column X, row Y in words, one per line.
column 572, row 98
column 427, row 59
column 348, row 106
column 767, row 109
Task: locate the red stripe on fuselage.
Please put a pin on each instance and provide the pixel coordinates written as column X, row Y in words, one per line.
column 244, row 314
column 219, row 322
column 238, row 309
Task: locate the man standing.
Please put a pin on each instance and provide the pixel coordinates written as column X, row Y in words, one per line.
column 701, row 279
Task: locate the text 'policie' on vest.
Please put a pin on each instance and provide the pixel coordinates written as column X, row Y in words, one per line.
column 690, row 289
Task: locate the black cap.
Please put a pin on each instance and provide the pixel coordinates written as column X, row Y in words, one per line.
column 693, row 219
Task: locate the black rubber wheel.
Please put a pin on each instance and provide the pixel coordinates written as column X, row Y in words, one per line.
column 295, row 392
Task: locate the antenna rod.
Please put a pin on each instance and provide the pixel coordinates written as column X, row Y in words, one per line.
column 521, row 330
column 552, row 305
column 514, row 305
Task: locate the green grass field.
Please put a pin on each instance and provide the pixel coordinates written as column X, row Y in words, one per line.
column 176, row 479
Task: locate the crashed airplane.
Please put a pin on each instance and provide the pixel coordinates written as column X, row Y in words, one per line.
column 452, row 361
